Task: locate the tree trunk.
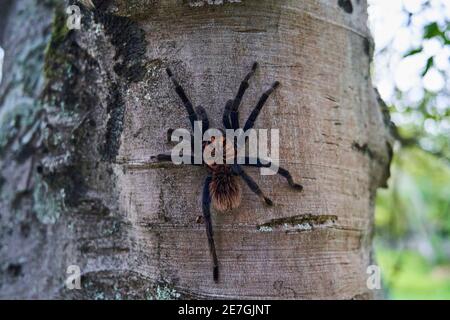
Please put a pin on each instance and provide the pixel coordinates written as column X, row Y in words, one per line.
column 82, row 112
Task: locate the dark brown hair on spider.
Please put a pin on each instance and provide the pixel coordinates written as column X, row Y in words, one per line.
column 222, row 187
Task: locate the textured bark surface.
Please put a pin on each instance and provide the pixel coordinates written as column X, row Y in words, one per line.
column 80, row 120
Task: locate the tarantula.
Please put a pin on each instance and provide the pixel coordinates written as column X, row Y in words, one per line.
column 221, row 187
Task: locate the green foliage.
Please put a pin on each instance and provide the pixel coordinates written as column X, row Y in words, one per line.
column 427, row 121
column 408, row 275
column 413, row 226
column 413, row 215
column 418, row 193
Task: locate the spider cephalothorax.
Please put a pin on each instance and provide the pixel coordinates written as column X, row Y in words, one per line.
column 222, row 187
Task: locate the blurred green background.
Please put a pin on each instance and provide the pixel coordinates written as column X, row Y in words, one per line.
column 410, row 70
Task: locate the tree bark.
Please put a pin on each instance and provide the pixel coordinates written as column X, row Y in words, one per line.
column 82, row 112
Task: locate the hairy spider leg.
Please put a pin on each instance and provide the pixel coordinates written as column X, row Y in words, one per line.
column 163, row 157
column 281, row 171
column 255, row 113
column 187, row 103
column 167, row 157
column 203, row 117
column 237, row 101
column 226, row 115
column 251, row 184
column 206, row 205
column 169, row 134
column 171, row 131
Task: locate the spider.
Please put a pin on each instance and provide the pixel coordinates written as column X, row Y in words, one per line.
column 221, row 187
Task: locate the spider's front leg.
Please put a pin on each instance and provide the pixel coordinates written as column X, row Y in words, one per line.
column 206, row 206
column 167, row 157
column 162, row 157
column 182, row 94
column 226, row 115
column 203, row 117
column 262, row 101
column 231, row 113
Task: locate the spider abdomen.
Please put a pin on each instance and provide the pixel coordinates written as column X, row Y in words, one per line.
column 225, row 189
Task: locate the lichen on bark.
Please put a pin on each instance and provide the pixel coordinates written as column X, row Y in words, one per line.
column 58, row 144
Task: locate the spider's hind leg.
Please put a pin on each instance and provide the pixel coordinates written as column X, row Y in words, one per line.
column 206, row 206
column 283, row 172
